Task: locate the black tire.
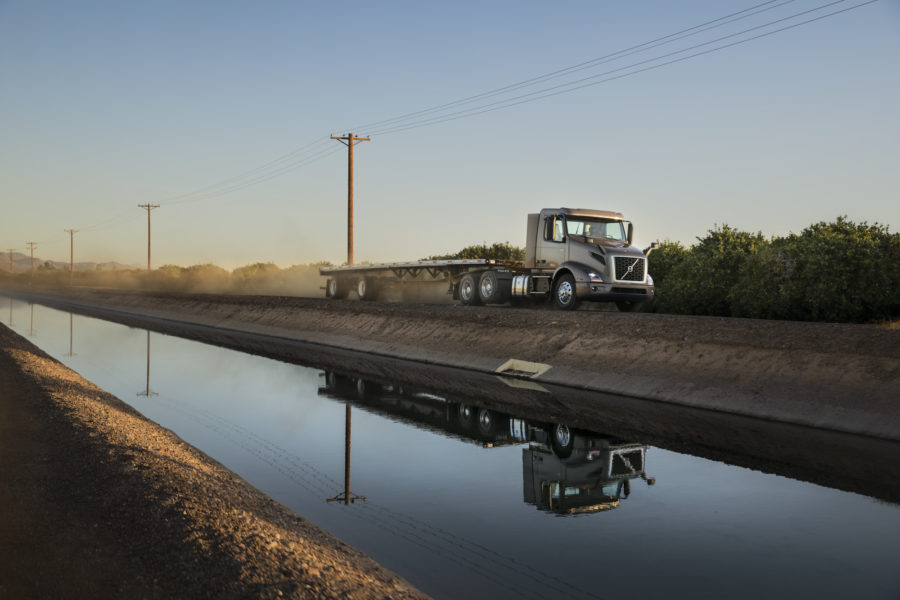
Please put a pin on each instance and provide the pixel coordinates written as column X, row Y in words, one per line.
column 626, row 305
column 366, row 288
column 468, row 290
column 486, row 422
column 562, row 440
column 494, row 287
column 466, row 414
column 336, row 288
column 564, row 296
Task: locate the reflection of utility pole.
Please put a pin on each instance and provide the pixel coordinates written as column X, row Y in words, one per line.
column 31, row 321
column 346, row 496
column 149, row 207
column 10, row 250
column 147, row 391
column 71, row 233
column 350, row 140
column 10, row 311
column 70, row 353
column 31, row 246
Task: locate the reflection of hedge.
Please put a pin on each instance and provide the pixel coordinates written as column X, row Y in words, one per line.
column 839, row 271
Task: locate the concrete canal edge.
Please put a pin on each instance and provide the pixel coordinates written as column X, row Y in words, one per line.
column 99, row 502
column 837, row 377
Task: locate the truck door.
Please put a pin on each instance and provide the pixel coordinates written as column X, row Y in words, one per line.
column 551, row 243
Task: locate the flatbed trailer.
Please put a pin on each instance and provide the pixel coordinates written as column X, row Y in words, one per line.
column 570, row 255
column 367, row 279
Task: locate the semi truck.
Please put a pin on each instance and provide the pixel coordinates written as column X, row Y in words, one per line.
column 571, row 255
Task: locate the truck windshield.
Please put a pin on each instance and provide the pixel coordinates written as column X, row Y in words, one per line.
column 595, row 228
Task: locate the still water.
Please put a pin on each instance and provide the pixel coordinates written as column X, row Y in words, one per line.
column 468, row 503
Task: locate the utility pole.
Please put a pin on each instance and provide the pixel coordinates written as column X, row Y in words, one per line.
column 149, row 207
column 10, row 250
column 32, row 246
column 71, row 233
column 350, row 140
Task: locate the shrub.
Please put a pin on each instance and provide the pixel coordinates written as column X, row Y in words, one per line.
column 496, row 251
column 839, row 271
column 660, row 265
column 701, row 281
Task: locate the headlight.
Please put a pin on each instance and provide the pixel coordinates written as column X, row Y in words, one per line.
column 594, row 277
column 649, row 279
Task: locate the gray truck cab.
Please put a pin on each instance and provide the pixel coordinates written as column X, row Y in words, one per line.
column 583, row 254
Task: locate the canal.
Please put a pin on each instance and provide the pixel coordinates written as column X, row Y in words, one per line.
column 466, row 502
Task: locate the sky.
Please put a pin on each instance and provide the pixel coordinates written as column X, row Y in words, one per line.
column 221, row 112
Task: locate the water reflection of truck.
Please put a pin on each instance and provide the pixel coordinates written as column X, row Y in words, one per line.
column 572, row 472
column 571, row 254
column 564, row 470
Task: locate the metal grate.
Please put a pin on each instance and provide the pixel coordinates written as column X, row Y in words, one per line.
column 630, row 269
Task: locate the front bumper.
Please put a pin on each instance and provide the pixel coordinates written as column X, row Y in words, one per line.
column 614, row 292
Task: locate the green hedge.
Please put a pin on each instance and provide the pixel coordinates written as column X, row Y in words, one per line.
column 839, row 271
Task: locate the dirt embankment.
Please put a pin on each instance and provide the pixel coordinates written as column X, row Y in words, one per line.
column 839, row 377
column 99, row 502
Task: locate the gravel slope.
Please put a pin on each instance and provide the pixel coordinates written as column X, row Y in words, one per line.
column 99, row 502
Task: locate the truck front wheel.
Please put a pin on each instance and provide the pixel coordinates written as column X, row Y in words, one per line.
column 564, row 293
column 468, row 290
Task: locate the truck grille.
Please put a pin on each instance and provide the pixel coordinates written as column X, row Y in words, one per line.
column 627, row 463
column 630, row 269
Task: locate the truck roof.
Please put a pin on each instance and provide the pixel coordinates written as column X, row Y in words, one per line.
column 587, row 212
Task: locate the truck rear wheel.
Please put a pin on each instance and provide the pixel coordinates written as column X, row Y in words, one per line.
column 564, row 293
column 494, row 289
column 468, row 290
column 335, row 288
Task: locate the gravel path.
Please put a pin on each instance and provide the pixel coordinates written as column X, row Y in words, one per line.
column 99, row 502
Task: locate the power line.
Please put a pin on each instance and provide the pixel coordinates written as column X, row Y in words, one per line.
column 314, row 151
column 582, row 83
column 309, row 153
column 612, row 56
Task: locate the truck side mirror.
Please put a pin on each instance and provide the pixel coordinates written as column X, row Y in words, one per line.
column 653, row 246
column 630, row 233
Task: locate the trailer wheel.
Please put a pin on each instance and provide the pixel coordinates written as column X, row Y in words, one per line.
column 336, row 289
column 366, row 288
column 468, row 290
column 494, row 288
column 564, row 293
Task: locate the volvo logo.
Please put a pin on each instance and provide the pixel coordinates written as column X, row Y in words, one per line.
column 631, row 268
